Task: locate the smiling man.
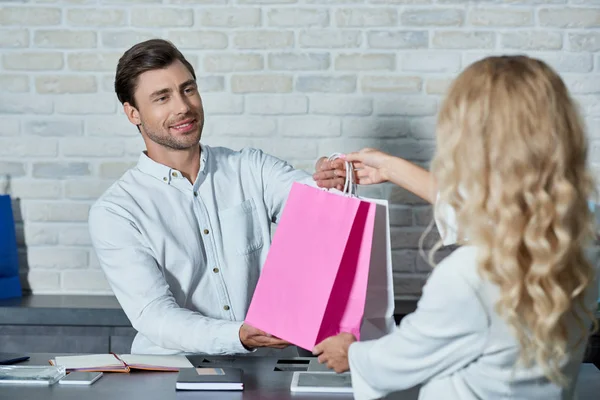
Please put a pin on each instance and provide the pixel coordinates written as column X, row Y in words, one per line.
column 182, row 236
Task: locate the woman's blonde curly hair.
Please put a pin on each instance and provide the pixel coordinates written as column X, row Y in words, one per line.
column 512, row 162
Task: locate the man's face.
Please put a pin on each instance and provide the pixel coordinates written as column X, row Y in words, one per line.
column 169, row 108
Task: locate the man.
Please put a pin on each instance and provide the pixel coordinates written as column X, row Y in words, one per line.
column 182, row 236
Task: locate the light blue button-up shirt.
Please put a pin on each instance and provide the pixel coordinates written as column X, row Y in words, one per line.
column 183, row 259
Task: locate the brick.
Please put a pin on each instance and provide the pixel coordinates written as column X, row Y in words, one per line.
column 10, row 126
column 408, row 238
column 408, row 286
column 86, row 104
column 196, row 1
column 41, row 234
column 65, row 39
column 326, row 84
column 298, row 17
column 398, row 39
column 463, row 40
column 408, row 105
column 233, row 62
column 567, row 17
column 198, row 39
column 362, row 62
column 54, row 127
column 24, row 104
column 91, row 147
column 99, row 17
column 593, row 129
column 567, row 62
column 60, row 170
column 93, row 61
column 263, row 39
column 162, row 18
column 586, row 84
column 85, row 281
column 340, row 105
column 500, row 17
column 134, row 146
column 404, row 260
column 36, row 189
column 589, row 104
column 86, row 189
column 276, row 104
column 360, row 127
column 261, row 83
column 398, row 84
column 33, row 61
column 59, row 84
column 215, row 104
column 399, row 195
column 365, row 17
column 423, row 215
column 75, row 236
column 57, row 212
column 532, row 40
column 129, row 2
column 13, row 169
column 427, row 62
column 293, row 148
column 117, row 125
column 230, row 17
column 29, row 16
column 14, row 38
column 423, row 128
column 400, row 216
column 588, row 41
column 57, row 258
column 298, row 61
column 400, row 1
column 329, row 39
column 114, row 170
column 310, row 126
column 124, row 39
column 39, row 281
column 435, row 17
column 211, row 84
column 243, row 126
column 12, row 83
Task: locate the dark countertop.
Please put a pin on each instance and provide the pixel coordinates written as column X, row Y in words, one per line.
column 82, row 310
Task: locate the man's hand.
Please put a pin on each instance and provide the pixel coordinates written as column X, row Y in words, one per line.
column 330, row 174
column 333, row 351
column 252, row 338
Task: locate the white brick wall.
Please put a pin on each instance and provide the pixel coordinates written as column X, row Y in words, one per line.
column 298, row 78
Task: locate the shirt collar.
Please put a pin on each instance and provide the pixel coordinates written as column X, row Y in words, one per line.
column 165, row 173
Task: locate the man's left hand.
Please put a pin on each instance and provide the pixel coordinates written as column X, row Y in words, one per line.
column 333, row 351
column 330, row 174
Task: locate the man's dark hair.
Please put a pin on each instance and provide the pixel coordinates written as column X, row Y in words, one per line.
column 145, row 56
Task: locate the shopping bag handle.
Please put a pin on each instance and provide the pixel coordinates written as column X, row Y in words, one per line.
column 349, row 183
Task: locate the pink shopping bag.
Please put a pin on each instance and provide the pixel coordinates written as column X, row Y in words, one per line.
column 315, row 279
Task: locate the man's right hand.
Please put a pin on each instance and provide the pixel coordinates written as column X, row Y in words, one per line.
column 252, row 338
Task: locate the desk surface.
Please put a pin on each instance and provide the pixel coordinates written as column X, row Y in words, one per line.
column 261, row 381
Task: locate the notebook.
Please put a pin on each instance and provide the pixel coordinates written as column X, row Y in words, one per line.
column 321, row 381
column 210, row 379
column 122, row 363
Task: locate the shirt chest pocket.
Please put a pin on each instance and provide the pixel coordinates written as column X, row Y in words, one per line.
column 240, row 227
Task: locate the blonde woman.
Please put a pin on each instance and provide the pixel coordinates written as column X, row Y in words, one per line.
column 507, row 314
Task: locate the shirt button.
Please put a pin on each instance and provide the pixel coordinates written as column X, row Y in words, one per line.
column 165, row 179
column 215, row 270
column 195, row 194
column 206, row 231
column 174, row 174
column 226, row 308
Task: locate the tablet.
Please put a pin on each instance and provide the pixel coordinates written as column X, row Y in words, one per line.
column 321, row 381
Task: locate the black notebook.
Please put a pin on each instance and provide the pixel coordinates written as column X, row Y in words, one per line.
column 210, row 379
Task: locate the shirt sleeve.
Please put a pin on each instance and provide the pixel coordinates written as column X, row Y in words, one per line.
column 277, row 178
column 143, row 292
column 446, row 332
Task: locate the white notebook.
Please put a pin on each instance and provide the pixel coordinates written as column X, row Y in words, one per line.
column 122, row 362
column 321, row 382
